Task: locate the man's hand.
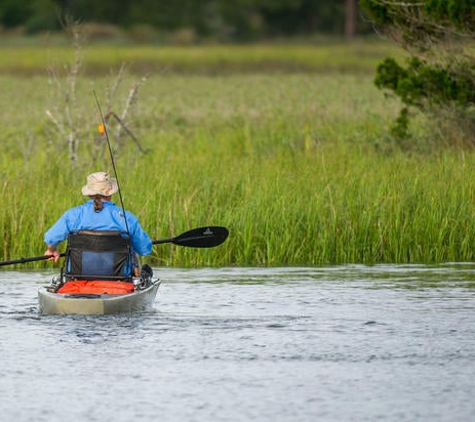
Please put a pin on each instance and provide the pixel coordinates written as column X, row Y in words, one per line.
column 52, row 253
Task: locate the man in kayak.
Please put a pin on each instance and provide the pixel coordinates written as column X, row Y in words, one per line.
column 98, row 213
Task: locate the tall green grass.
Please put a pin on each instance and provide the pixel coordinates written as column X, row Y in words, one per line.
column 298, row 166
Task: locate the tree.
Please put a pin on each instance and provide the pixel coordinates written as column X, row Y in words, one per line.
column 14, row 12
column 439, row 76
column 350, row 19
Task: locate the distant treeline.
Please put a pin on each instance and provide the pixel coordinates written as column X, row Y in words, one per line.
column 222, row 20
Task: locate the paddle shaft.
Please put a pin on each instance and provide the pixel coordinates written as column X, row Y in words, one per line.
column 24, row 260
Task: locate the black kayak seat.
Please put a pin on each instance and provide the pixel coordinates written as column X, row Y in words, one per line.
column 98, row 254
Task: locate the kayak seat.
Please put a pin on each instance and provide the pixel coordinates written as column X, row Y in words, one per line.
column 98, row 255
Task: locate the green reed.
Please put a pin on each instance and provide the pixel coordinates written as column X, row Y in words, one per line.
column 298, row 166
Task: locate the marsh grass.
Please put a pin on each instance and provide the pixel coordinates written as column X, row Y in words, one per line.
column 298, row 166
column 359, row 56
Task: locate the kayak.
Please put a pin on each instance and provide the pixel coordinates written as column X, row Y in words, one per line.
column 140, row 299
column 53, row 300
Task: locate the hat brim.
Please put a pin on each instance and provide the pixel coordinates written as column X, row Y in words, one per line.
column 109, row 190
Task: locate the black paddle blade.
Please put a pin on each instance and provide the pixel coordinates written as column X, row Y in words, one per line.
column 203, row 237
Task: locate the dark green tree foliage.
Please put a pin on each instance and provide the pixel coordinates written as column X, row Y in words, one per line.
column 459, row 13
column 421, row 21
column 419, row 83
column 439, row 78
column 228, row 20
column 14, row 12
column 44, row 14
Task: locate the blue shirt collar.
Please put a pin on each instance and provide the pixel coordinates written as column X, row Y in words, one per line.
column 91, row 201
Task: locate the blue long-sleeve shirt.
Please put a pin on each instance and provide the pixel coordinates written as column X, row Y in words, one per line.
column 111, row 217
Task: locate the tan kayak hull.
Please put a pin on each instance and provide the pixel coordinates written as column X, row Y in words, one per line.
column 138, row 301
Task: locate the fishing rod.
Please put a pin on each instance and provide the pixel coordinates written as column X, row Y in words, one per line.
column 104, row 128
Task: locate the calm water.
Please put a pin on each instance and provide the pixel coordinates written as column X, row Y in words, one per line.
column 350, row 343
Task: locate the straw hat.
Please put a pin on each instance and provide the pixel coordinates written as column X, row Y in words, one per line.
column 100, row 183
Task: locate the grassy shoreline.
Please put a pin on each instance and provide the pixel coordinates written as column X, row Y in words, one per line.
column 297, row 165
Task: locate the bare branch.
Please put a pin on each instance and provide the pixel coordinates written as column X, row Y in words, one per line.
column 111, row 93
column 126, row 129
column 58, row 125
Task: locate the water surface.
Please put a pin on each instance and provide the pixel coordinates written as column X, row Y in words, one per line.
column 346, row 343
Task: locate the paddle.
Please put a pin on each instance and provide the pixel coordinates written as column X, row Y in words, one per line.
column 202, row 237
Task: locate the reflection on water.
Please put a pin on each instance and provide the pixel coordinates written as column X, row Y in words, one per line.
column 345, row 343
